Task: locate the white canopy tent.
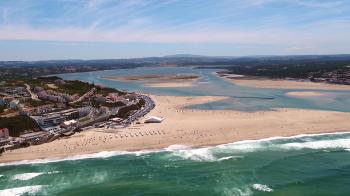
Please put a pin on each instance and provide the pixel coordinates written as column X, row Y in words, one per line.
column 154, row 119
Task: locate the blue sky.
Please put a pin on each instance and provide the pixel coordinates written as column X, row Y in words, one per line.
column 95, row 29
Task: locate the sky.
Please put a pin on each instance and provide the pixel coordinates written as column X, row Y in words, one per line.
column 110, row 29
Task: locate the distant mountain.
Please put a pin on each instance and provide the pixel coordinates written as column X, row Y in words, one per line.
column 247, row 64
column 185, row 56
column 181, row 59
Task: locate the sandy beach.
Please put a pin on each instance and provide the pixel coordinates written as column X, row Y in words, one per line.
column 280, row 84
column 188, row 127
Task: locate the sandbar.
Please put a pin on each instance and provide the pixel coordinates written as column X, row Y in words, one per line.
column 259, row 82
column 170, row 84
column 154, row 77
column 159, row 81
column 190, row 127
column 307, row 94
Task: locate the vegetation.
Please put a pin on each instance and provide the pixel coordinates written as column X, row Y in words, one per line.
column 124, row 112
column 74, row 87
column 114, row 104
column 283, row 70
column 337, row 72
column 34, row 103
column 105, row 91
column 2, row 108
column 22, row 69
column 18, row 124
column 301, row 66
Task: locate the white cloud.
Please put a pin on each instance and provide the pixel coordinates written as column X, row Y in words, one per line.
column 320, row 33
column 133, row 21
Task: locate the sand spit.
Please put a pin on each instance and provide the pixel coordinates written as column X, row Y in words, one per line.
column 258, row 82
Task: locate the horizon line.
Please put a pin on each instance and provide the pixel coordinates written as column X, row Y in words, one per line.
column 181, row 56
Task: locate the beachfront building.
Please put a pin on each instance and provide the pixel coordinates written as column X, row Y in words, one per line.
column 4, row 133
column 51, row 120
column 154, row 119
column 69, row 123
column 2, row 101
column 4, row 136
column 36, row 137
column 14, row 104
column 56, row 118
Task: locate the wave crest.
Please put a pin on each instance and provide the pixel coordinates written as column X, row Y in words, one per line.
column 262, row 187
column 26, row 176
column 311, row 141
column 21, row 190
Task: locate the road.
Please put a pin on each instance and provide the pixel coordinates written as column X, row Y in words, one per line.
column 149, row 105
column 92, row 91
column 32, row 95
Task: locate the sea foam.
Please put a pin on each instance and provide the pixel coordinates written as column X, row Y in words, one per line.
column 103, row 154
column 26, row 176
column 199, row 154
column 21, row 190
column 262, row 187
column 206, row 154
column 322, row 144
column 306, row 141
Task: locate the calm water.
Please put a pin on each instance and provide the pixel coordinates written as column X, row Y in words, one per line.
column 241, row 98
column 300, row 165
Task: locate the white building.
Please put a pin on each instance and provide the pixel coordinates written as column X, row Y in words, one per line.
column 4, row 133
column 154, row 119
column 69, row 123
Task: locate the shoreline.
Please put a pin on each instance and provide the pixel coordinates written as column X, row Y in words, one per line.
column 174, row 147
column 262, row 82
column 190, row 127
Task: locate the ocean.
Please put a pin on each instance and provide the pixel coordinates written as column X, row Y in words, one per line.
column 300, row 165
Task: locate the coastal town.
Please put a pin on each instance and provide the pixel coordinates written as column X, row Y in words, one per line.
column 40, row 110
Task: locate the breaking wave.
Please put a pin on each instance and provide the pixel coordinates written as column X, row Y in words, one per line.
column 323, row 144
column 199, row 154
column 26, row 176
column 262, row 187
column 227, row 158
column 103, row 154
column 309, row 141
column 21, row 190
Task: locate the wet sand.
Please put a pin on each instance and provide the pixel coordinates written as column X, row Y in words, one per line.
column 182, row 84
column 280, row 84
column 307, row 94
column 188, row 127
column 159, row 81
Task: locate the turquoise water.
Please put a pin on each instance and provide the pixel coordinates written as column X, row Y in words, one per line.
column 303, row 165
column 299, row 165
column 240, row 98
